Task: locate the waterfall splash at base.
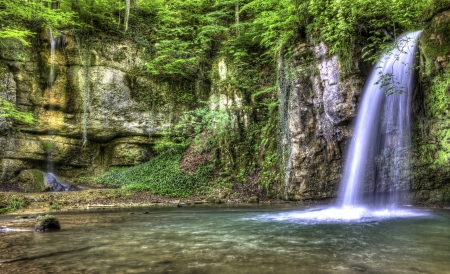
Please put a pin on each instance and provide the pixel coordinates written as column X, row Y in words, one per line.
column 377, row 165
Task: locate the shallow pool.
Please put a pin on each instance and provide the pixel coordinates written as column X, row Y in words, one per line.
column 231, row 239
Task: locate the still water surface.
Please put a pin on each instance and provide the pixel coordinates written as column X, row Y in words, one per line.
column 231, row 239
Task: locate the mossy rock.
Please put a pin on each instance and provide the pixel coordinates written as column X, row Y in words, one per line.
column 47, row 223
column 32, row 180
column 253, row 199
column 435, row 41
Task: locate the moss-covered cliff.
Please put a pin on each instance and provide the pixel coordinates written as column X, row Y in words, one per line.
column 431, row 136
column 101, row 111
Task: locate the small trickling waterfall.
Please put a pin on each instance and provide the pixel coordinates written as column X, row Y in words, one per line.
column 285, row 142
column 51, row 80
column 86, row 93
column 89, row 77
column 51, row 75
column 378, row 152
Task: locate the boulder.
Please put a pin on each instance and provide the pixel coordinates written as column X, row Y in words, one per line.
column 32, row 180
column 47, row 223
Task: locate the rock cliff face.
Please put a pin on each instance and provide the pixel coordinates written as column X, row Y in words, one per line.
column 430, row 181
column 93, row 92
column 322, row 103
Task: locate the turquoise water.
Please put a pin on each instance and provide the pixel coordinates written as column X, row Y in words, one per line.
column 232, row 239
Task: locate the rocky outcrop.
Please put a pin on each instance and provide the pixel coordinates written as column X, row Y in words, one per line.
column 94, row 114
column 322, row 103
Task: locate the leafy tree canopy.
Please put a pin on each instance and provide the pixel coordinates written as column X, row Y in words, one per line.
column 182, row 36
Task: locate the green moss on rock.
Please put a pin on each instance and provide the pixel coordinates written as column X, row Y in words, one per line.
column 431, row 132
column 48, row 146
column 435, row 41
column 32, row 180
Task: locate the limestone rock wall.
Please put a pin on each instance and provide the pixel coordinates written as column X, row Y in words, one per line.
column 322, row 103
column 103, row 77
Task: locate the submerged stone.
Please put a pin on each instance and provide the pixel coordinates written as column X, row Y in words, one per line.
column 47, row 223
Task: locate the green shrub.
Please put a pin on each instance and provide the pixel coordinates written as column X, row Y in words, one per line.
column 12, row 203
column 161, row 175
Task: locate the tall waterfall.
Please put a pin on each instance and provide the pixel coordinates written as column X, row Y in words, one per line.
column 378, row 156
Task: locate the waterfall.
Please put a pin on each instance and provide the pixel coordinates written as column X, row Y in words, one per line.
column 378, row 155
column 49, row 145
column 86, row 93
column 285, row 142
column 51, row 75
column 85, row 52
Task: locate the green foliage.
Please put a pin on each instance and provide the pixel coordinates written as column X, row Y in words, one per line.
column 184, row 36
column 19, row 19
column 9, row 110
column 161, row 175
column 54, row 207
column 346, row 24
column 432, row 141
column 12, row 203
column 48, row 146
column 211, row 117
column 19, row 34
column 439, row 96
column 105, row 15
column 277, row 24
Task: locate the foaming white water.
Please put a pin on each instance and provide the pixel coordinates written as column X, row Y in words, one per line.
column 342, row 214
column 14, row 230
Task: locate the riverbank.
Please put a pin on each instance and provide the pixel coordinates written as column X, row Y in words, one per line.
column 90, row 199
